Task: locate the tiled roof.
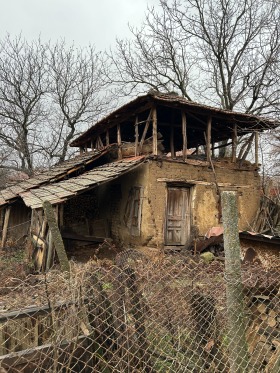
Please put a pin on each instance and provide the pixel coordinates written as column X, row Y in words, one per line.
column 61, row 191
column 53, row 175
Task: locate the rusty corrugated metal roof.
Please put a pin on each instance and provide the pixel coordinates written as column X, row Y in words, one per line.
column 52, row 175
column 61, row 191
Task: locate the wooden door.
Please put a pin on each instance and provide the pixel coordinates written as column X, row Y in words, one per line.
column 178, row 216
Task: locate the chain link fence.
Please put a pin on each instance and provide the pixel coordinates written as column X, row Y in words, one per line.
column 137, row 315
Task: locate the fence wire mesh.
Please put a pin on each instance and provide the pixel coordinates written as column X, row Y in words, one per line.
column 137, row 315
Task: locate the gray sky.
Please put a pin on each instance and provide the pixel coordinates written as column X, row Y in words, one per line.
column 80, row 21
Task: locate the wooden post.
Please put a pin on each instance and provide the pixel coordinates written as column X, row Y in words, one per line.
column 184, row 132
column 107, row 138
column 238, row 354
column 173, row 155
column 234, row 143
column 81, row 149
column 208, row 139
column 5, row 226
column 248, row 147
column 155, row 144
column 92, row 145
column 119, row 139
column 257, row 148
column 136, row 136
column 56, row 238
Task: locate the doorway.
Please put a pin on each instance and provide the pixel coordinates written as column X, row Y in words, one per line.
column 178, row 216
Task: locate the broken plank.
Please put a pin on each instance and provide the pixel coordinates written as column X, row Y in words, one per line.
column 79, row 237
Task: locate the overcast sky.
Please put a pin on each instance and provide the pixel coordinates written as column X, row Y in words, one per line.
column 80, row 21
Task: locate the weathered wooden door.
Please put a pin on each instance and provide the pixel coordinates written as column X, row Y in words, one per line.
column 178, row 216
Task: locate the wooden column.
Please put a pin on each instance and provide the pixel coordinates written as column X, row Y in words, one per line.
column 136, row 137
column 234, row 143
column 257, row 148
column 172, row 150
column 184, row 133
column 155, row 145
column 81, row 149
column 5, row 226
column 107, row 138
column 119, row 139
column 92, row 145
column 208, row 139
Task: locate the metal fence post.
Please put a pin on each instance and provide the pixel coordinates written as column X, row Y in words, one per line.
column 238, row 352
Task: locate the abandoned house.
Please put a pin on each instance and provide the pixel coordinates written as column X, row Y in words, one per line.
column 148, row 174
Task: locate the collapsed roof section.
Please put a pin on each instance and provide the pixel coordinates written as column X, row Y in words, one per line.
column 63, row 190
column 169, row 109
column 62, row 171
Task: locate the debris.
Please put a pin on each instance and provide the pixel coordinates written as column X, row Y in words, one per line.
column 207, row 256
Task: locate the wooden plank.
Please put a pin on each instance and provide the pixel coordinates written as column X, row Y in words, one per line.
column 184, row 133
column 37, row 240
column 5, row 226
column 208, row 138
column 145, row 131
column 136, row 136
column 40, row 353
column 79, row 237
column 234, row 143
column 56, row 236
column 197, row 182
column 155, row 144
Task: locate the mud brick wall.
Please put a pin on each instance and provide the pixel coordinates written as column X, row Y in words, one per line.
column 204, row 199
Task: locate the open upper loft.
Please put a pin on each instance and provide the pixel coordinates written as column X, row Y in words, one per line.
column 167, row 124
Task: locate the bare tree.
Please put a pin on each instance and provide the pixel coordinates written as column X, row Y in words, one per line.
column 224, row 52
column 77, row 93
column 156, row 57
column 48, row 94
column 22, row 88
